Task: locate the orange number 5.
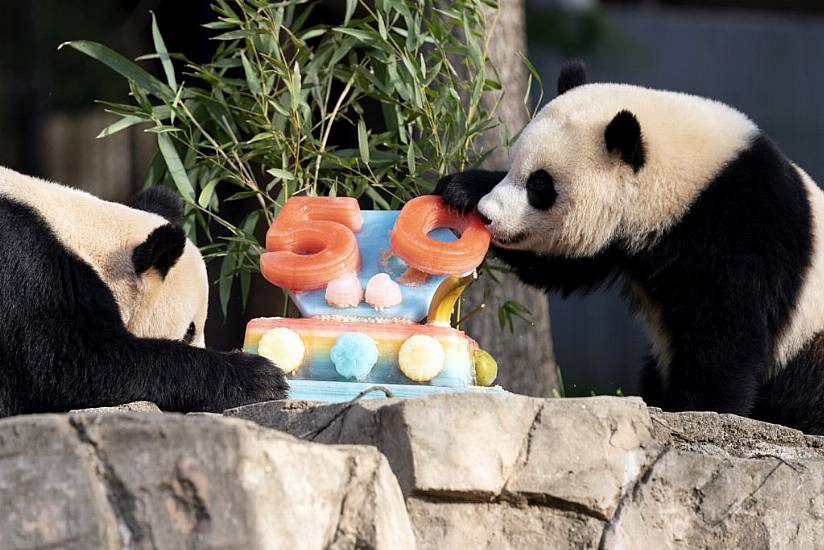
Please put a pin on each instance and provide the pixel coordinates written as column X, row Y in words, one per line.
column 410, row 240
column 312, row 242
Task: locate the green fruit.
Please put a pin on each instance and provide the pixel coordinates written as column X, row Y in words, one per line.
column 486, row 369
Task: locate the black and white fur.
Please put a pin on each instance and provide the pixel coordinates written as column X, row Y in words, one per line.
column 714, row 233
column 104, row 304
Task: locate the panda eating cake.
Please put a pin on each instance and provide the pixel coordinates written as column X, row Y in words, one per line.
column 364, row 281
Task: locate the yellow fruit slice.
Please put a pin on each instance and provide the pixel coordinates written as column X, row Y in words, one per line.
column 421, row 358
column 486, row 368
column 443, row 302
column 283, row 347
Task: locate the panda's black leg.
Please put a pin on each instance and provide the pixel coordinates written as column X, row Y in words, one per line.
column 718, row 372
column 795, row 396
column 652, row 386
column 8, row 400
column 179, row 377
column 464, row 190
column 175, row 376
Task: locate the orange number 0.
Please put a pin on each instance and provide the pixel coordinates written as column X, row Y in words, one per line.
column 312, row 242
column 410, row 240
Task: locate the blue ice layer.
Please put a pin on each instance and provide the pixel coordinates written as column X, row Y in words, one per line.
column 338, row 392
column 373, row 243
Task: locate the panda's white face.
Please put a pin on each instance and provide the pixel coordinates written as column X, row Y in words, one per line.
column 567, row 194
column 171, row 307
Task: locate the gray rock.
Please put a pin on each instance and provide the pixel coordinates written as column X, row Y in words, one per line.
column 134, row 406
column 499, row 526
column 690, row 500
column 476, row 471
column 170, row 481
column 730, row 435
column 484, row 471
column 580, row 454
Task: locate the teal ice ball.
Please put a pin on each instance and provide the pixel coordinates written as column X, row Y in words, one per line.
column 354, row 354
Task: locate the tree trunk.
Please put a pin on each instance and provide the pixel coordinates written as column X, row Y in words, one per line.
column 526, row 362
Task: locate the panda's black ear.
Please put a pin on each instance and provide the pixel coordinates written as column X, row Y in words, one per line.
column 623, row 135
column 159, row 200
column 160, row 251
column 573, row 74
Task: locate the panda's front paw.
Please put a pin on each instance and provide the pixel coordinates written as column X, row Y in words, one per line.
column 251, row 378
column 463, row 191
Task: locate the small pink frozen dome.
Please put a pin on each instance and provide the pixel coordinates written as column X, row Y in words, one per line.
column 345, row 291
column 382, row 292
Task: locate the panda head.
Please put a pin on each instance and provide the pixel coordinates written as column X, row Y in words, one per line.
column 161, row 287
column 606, row 164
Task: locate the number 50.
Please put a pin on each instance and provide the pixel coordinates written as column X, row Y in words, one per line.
column 312, row 241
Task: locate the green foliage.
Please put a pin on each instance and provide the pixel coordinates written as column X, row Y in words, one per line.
column 510, row 310
column 255, row 122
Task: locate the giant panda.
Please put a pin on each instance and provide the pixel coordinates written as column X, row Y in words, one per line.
column 103, row 303
column 715, row 236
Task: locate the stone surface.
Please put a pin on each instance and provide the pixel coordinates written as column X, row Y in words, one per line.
column 576, row 453
column 134, row 406
column 730, row 435
column 132, row 480
column 483, row 471
column 689, row 500
column 449, row 471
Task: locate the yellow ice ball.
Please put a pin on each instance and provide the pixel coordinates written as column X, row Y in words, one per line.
column 421, row 358
column 284, row 347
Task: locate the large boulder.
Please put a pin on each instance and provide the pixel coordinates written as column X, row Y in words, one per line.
column 132, row 480
column 482, row 471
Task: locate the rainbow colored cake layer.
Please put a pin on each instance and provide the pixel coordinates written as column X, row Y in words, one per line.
column 319, row 337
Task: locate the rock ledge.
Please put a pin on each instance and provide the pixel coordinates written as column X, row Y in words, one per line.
column 444, row 471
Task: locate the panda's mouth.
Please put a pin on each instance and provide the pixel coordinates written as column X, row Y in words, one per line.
column 510, row 240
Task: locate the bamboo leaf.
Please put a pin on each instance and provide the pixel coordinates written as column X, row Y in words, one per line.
column 122, row 124
column 234, row 35
column 175, row 166
column 245, row 285
column 410, row 158
column 142, row 79
column 314, row 33
column 350, row 10
column 251, row 75
column 356, row 33
column 227, row 269
column 282, row 174
column 206, row 194
column 363, row 141
column 160, row 48
column 381, row 26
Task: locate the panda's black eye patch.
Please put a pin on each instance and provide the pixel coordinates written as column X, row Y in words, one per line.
column 540, row 190
column 190, row 334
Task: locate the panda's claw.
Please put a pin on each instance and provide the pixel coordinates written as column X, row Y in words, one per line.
column 464, row 190
column 251, row 379
column 457, row 193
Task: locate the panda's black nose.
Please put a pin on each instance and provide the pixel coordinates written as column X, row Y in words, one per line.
column 484, row 219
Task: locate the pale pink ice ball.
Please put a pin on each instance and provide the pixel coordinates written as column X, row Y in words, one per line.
column 382, row 292
column 345, row 291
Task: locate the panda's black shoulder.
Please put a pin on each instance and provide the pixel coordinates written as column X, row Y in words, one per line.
column 161, row 201
column 749, row 231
